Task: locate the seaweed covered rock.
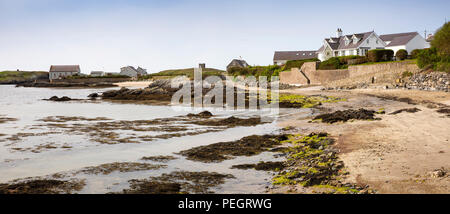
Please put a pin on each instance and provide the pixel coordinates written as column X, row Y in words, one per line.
column 346, row 115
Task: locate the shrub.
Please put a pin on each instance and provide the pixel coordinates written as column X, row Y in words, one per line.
column 415, row 53
column 297, row 63
column 357, row 61
column 428, row 57
column 342, row 62
column 330, row 64
column 401, row 54
column 380, row 55
column 268, row 71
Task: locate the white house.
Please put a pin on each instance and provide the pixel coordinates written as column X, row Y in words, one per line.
column 408, row 41
column 62, row 71
column 361, row 43
column 353, row 44
column 133, row 72
column 98, row 73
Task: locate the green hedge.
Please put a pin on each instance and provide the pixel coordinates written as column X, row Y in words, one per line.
column 297, row 63
column 380, row 55
column 341, row 62
column 401, row 54
column 268, row 71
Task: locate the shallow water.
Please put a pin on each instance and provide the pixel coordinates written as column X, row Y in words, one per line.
column 27, row 106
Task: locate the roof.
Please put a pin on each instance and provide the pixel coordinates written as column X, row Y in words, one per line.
column 337, row 43
column 65, row 68
column 238, row 63
column 397, row 39
column 294, row 55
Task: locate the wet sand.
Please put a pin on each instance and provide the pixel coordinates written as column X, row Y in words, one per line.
column 397, row 154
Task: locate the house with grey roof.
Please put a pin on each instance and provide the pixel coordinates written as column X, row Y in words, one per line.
column 408, row 41
column 62, row 71
column 360, row 43
column 240, row 63
column 133, row 72
column 281, row 57
column 351, row 44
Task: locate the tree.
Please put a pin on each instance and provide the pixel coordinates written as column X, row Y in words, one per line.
column 441, row 40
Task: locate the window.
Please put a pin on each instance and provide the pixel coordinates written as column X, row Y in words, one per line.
column 376, row 41
column 367, row 41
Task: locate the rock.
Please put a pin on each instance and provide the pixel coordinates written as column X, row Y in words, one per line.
column 438, row 173
column 93, row 95
column 62, row 99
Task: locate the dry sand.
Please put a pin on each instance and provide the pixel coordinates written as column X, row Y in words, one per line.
column 396, row 154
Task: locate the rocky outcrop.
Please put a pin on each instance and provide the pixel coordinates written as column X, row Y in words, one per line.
column 432, row 81
column 64, row 85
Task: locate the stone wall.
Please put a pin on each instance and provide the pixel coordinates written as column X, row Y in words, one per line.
column 310, row 75
column 383, row 73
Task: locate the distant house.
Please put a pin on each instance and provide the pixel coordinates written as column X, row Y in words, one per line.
column 281, row 57
column 408, row 41
column 133, row 72
column 430, row 37
column 239, row 63
column 62, row 71
column 98, row 73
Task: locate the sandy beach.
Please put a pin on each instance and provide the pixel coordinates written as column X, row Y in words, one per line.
column 398, row 154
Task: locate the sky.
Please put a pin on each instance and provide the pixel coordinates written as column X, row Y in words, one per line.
column 168, row 34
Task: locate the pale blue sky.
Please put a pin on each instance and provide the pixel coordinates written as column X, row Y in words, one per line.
column 157, row 35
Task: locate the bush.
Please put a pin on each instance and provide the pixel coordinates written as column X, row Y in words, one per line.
column 330, row 64
column 401, row 54
column 297, row 63
column 380, row 55
column 415, row 53
column 428, row 57
column 357, row 61
column 268, row 71
column 342, row 62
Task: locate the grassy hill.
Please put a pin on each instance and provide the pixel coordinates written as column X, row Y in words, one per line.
column 12, row 77
column 189, row 72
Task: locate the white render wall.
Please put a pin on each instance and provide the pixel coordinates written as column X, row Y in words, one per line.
column 372, row 42
column 418, row 42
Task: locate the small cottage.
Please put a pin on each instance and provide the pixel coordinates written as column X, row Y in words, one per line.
column 237, row 63
column 62, row 71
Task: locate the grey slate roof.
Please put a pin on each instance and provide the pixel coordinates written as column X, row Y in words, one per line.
column 338, row 43
column 398, row 38
column 294, row 55
column 237, row 63
column 65, row 68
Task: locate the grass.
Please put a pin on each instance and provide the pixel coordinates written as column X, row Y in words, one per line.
column 6, row 76
column 189, row 72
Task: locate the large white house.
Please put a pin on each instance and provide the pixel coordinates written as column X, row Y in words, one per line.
column 361, row 43
column 353, row 44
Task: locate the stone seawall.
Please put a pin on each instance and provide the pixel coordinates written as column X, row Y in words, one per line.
column 354, row 76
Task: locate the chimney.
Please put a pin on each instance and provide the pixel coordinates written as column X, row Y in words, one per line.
column 339, row 32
